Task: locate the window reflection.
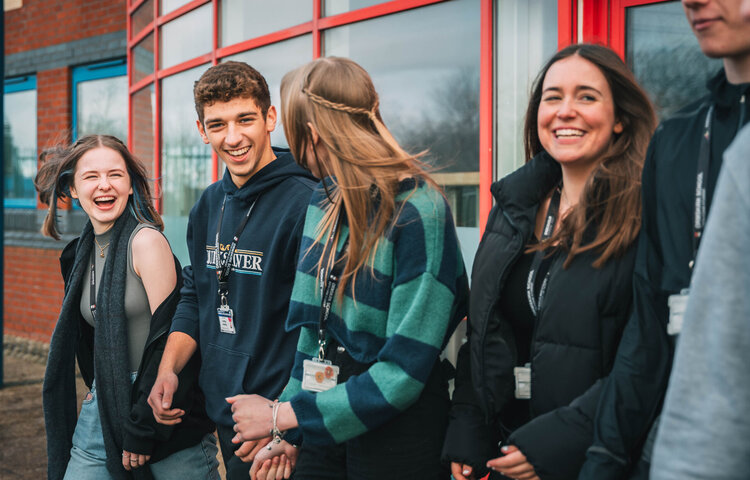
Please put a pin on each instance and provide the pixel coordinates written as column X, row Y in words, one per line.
column 664, row 56
column 185, row 159
column 429, row 90
column 142, row 17
column 166, row 6
column 526, row 39
column 334, row 7
column 295, row 52
column 186, row 37
column 143, row 59
column 102, row 108
column 144, row 109
column 19, row 130
column 245, row 19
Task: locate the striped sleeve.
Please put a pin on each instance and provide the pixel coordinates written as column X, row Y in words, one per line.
column 419, row 316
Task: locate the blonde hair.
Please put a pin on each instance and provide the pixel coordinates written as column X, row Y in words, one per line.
column 337, row 97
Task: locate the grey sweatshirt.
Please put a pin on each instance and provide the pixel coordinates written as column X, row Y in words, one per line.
column 705, row 426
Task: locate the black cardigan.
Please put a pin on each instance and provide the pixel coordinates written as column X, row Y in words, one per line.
column 573, row 346
column 141, row 433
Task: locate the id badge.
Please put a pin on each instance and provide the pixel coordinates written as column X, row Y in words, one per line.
column 226, row 319
column 319, row 375
column 523, row 382
column 677, row 304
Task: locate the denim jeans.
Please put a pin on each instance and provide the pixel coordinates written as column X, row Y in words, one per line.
column 88, row 457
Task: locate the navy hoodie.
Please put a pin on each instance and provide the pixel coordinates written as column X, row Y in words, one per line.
column 258, row 358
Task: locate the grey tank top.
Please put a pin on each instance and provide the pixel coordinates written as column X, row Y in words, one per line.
column 137, row 309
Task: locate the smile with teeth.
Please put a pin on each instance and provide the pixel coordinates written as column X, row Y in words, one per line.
column 105, row 200
column 568, row 132
column 239, row 152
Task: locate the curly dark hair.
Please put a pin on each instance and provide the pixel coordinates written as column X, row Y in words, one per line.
column 227, row 81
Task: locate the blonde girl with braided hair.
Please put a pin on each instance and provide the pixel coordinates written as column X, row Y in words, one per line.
column 380, row 287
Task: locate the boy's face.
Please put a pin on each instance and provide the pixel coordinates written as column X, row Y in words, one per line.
column 719, row 27
column 239, row 135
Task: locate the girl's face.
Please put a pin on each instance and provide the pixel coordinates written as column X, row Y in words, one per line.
column 102, row 185
column 576, row 119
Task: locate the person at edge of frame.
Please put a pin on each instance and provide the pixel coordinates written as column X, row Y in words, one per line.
column 379, row 289
column 705, row 410
column 121, row 288
column 243, row 236
column 552, row 278
column 679, row 178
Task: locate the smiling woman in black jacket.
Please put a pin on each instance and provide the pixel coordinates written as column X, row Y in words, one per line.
column 121, row 289
column 551, row 282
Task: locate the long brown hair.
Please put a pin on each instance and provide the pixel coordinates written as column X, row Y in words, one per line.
column 611, row 200
column 57, row 171
column 364, row 161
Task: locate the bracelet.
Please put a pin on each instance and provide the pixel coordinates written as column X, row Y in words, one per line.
column 275, row 432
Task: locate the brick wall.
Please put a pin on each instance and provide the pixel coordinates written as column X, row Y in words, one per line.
column 33, row 292
column 42, row 23
column 49, row 38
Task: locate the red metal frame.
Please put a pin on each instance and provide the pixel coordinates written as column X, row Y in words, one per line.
column 374, row 11
column 486, row 157
column 595, row 26
column 567, row 23
column 317, row 36
column 157, row 114
column 617, row 22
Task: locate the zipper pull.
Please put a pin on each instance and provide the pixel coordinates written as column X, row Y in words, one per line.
column 742, row 113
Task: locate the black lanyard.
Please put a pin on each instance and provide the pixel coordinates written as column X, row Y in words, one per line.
column 329, row 279
column 223, row 268
column 701, row 177
column 92, row 291
column 701, row 180
column 539, row 258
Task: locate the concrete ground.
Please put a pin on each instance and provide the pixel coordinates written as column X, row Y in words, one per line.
column 22, row 436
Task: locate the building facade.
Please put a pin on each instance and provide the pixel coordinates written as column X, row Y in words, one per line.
column 453, row 76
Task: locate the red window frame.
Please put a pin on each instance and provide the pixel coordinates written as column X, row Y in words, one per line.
column 567, row 28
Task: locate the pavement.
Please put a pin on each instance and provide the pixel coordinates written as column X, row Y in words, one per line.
column 22, row 436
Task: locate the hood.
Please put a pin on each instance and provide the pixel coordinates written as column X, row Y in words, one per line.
column 526, row 187
column 282, row 168
column 723, row 93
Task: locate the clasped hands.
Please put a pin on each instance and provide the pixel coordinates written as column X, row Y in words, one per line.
column 253, row 422
column 512, row 464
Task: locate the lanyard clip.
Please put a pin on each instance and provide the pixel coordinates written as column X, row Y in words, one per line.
column 321, row 349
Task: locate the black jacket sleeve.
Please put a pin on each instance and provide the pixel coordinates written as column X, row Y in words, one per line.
column 470, row 439
column 632, row 394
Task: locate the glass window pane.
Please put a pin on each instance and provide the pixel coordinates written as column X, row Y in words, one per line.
column 245, row 19
column 334, row 7
column 664, row 56
column 186, row 37
column 19, row 129
column 144, row 109
column 295, row 52
column 102, row 107
column 185, row 159
column 526, row 38
column 166, row 6
column 143, row 59
column 430, row 90
column 142, row 17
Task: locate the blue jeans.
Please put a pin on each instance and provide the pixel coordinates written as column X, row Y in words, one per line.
column 88, row 457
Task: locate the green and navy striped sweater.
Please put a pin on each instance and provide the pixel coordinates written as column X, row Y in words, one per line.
column 403, row 317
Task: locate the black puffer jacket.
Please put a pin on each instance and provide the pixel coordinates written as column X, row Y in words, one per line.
column 573, row 346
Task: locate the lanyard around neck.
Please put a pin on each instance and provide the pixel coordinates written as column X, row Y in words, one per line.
column 329, row 278
column 224, row 267
column 536, row 265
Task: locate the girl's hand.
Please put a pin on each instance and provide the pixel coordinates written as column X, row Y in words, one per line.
column 276, row 463
column 462, row 471
column 513, row 464
column 131, row 461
